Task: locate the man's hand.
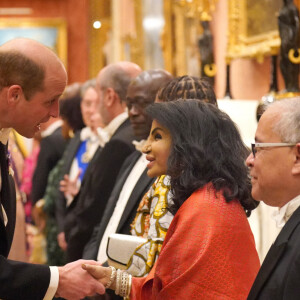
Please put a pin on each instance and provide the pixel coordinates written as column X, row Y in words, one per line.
column 61, row 239
column 76, row 283
column 68, row 186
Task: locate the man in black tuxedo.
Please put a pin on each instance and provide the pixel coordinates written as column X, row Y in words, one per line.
column 275, row 176
column 32, row 79
column 132, row 182
column 89, row 204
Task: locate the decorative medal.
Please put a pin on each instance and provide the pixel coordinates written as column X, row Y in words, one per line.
column 85, row 158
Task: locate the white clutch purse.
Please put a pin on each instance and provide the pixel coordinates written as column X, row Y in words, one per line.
column 120, row 248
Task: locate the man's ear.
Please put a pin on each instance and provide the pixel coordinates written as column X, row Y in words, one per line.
column 14, row 94
column 110, row 96
column 296, row 167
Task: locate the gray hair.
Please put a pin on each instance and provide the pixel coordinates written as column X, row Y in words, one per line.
column 91, row 83
column 288, row 124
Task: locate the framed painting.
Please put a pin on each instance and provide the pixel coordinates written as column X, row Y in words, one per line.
column 253, row 28
column 50, row 32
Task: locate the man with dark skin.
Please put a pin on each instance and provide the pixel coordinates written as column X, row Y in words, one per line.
column 133, row 174
column 141, row 92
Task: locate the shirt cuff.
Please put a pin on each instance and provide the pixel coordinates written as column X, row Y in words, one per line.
column 53, row 285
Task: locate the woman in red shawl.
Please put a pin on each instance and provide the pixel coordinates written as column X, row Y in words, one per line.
column 209, row 250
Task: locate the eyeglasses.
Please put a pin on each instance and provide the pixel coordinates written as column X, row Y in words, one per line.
column 268, row 145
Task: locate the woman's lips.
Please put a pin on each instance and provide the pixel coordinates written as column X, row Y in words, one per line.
column 150, row 165
column 151, row 161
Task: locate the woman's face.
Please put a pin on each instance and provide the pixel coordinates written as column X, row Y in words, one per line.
column 157, row 148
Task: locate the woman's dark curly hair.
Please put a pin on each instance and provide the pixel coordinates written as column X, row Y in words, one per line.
column 206, row 147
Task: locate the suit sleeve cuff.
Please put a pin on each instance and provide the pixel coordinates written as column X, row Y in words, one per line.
column 53, row 285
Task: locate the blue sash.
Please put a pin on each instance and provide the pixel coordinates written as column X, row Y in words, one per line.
column 82, row 164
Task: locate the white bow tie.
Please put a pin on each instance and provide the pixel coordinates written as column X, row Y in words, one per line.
column 139, row 145
column 282, row 215
column 103, row 136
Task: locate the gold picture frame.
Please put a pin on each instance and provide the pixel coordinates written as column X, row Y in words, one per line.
column 50, row 32
column 252, row 29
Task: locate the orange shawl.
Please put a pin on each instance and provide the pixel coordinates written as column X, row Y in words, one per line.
column 208, row 253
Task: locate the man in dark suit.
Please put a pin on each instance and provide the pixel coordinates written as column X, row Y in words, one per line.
column 275, row 176
column 32, row 79
column 132, row 182
column 88, row 206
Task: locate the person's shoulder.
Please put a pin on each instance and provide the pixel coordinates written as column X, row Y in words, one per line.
column 208, row 199
column 124, row 133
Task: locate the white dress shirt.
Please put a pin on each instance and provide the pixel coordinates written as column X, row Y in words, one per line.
column 114, row 124
column 124, row 196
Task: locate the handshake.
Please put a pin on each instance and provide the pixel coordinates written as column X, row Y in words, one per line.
column 82, row 278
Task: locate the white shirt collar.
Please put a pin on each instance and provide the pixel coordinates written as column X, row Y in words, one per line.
column 101, row 137
column 115, row 123
column 50, row 129
column 139, row 145
column 87, row 134
column 4, row 135
column 282, row 215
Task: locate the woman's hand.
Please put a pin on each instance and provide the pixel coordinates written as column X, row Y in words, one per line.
column 102, row 274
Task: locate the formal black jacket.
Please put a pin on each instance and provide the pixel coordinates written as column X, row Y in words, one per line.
column 279, row 276
column 88, row 206
column 52, row 148
column 140, row 189
column 17, row 280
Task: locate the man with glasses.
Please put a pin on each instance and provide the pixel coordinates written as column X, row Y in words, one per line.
column 275, row 175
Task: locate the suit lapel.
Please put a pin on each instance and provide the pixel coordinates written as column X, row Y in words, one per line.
column 138, row 192
column 275, row 253
column 2, row 171
column 72, row 150
column 111, row 204
column 266, row 269
column 8, row 200
column 92, row 165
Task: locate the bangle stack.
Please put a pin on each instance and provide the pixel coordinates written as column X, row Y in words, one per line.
column 123, row 282
column 112, row 277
